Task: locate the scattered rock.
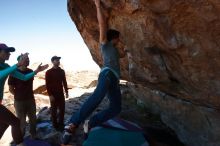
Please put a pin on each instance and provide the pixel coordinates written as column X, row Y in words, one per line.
column 92, row 84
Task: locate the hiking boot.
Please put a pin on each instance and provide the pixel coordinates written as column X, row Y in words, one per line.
column 66, row 137
column 69, row 130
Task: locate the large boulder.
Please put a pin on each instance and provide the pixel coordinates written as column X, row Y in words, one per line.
column 174, row 49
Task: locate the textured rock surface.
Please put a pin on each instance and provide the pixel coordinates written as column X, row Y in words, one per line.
column 174, row 48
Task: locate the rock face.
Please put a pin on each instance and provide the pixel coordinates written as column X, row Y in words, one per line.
column 174, row 58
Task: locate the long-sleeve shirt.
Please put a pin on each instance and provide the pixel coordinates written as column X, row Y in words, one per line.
column 6, row 70
column 23, row 90
column 55, row 81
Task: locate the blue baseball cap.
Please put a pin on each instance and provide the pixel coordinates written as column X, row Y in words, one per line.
column 6, row 48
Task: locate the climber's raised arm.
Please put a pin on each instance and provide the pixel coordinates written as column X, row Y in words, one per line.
column 102, row 22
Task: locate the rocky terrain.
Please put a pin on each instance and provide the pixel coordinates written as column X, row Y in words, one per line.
column 82, row 85
column 173, row 62
column 78, row 82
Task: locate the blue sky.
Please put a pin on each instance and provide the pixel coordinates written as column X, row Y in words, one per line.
column 43, row 28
